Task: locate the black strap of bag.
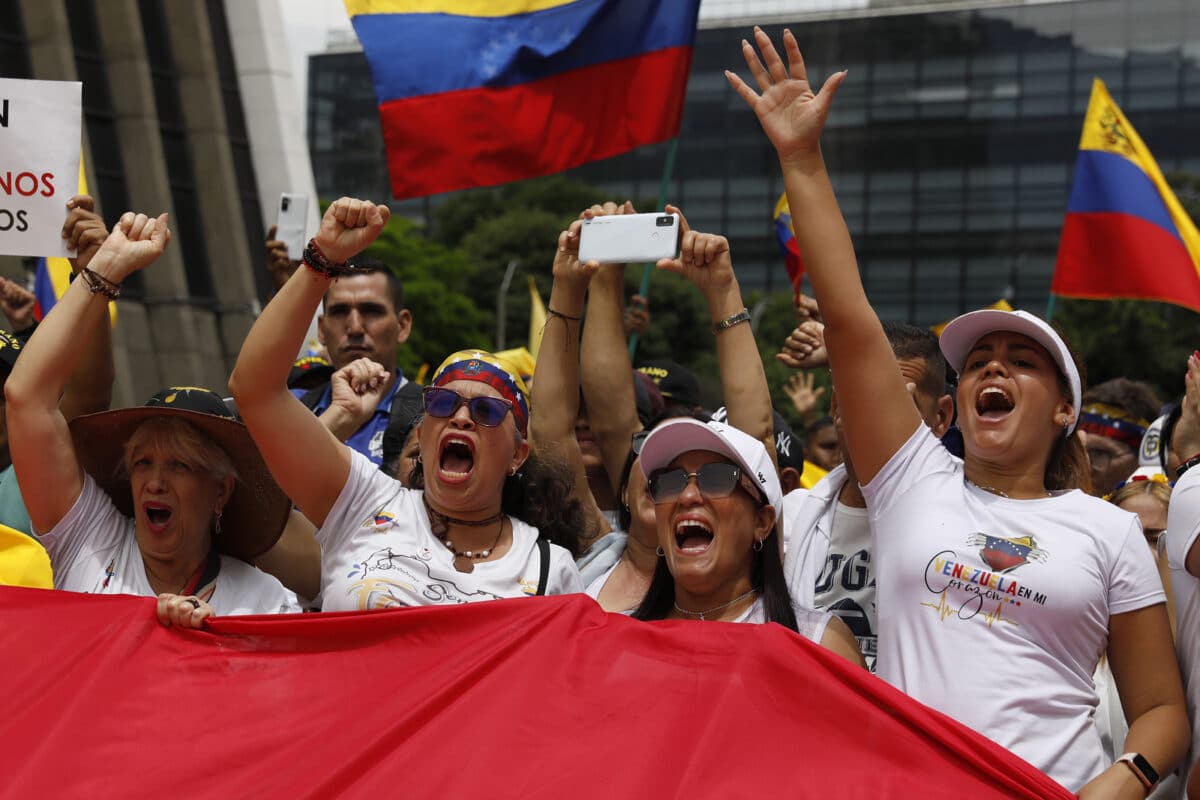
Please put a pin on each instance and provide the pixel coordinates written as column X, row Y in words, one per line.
column 544, row 569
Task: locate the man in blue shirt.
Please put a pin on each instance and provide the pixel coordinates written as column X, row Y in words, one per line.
column 363, row 316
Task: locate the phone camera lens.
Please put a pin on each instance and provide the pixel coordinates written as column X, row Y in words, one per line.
column 665, row 221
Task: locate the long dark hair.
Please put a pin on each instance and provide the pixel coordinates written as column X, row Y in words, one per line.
column 1067, row 467
column 766, row 577
column 538, row 495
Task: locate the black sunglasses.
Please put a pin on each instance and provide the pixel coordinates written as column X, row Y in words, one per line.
column 718, row 479
column 486, row 411
column 639, row 439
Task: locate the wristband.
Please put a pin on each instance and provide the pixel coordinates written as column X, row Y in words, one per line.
column 317, row 261
column 1141, row 770
column 730, row 321
column 1186, row 465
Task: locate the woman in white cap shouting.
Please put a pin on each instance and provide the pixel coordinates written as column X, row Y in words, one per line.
column 999, row 584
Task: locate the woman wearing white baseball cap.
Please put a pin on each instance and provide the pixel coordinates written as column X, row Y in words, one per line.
column 999, row 585
column 717, row 498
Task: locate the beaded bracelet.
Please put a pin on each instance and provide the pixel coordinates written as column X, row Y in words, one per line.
column 98, row 284
column 1186, row 465
column 319, row 263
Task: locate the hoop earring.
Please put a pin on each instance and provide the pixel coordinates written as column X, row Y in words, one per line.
column 659, row 551
column 758, row 545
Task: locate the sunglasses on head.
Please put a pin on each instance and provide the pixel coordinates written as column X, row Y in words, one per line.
column 486, row 411
column 718, row 479
column 639, row 439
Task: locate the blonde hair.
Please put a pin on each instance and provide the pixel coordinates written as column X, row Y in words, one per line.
column 183, row 439
column 1159, row 490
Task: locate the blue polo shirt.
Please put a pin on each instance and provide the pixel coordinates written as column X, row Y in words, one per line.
column 368, row 439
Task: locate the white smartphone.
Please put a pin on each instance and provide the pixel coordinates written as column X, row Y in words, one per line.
column 291, row 222
column 629, row 238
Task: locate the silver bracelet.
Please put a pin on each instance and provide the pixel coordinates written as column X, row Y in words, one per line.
column 730, row 321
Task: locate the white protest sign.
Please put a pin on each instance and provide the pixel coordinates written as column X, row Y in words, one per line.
column 40, row 136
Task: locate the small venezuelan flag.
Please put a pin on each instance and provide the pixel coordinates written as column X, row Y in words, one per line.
column 787, row 243
column 1125, row 234
column 482, row 92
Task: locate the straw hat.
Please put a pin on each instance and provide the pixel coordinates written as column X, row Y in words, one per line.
column 253, row 519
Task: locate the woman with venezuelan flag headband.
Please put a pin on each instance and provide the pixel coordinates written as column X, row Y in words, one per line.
column 478, row 525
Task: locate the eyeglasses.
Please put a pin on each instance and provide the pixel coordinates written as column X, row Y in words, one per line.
column 718, row 479
column 639, row 439
column 486, row 411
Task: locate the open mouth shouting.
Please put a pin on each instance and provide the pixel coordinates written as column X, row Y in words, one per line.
column 993, row 403
column 693, row 535
column 456, row 459
column 158, row 516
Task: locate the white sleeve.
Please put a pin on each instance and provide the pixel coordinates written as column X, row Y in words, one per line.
column 1134, row 582
column 1183, row 519
column 366, row 489
column 564, row 575
column 922, row 455
column 92, row 524
column 805, row 548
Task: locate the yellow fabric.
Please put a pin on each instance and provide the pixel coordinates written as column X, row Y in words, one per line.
column 459, row 8
column 518, row 360
column 23, row 561
column 1106, row 129
column 811, row 474
column 999, row 305
column 537, row 320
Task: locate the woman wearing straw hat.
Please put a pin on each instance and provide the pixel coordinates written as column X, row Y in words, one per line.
column 480, row 522
column 158, row 500
column 999, row 583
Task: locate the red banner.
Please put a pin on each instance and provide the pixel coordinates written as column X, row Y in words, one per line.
column 531, row 698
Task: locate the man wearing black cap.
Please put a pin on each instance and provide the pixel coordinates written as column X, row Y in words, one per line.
column 678, row 385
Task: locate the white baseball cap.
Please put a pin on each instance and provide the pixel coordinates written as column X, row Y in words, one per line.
column 678, row 436
column 962, row 333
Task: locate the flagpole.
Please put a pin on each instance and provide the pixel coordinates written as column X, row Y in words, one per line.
column 663, row 187
column 1050, row 307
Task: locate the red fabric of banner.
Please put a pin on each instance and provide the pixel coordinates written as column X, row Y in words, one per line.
column 531, row 698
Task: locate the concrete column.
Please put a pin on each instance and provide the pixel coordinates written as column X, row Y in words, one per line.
column 216, row 182
column 179, row 334
column 274, row 120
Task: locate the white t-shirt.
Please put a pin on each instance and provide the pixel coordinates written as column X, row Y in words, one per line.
column 93, row 549
column 828, row 560
column 809, row 624
column 1183, row 526
column 995, row 611
column 377, row 551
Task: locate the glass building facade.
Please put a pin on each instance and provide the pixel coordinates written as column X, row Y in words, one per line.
column 951, row 144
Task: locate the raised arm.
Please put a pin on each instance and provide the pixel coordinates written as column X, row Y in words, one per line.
column 308, row 462
column 878, row 413
column 606, row 369
column 556, row 377
column 90, row 387
column 42, row 453
column 704, row 259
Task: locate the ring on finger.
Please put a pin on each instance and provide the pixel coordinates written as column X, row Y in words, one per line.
column 195, row 603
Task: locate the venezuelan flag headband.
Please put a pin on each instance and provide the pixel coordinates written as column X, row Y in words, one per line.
column 476, row 365
column 1114, row 423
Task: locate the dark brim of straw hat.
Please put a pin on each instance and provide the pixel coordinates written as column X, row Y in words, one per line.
column 257, row 511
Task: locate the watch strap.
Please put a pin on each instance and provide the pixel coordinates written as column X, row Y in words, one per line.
column 1141, row 768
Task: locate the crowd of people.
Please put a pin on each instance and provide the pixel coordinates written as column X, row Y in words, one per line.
column 968, row 507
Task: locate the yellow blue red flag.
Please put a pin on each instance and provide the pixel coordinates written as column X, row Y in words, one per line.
column 482, row 92
column 1125, row 234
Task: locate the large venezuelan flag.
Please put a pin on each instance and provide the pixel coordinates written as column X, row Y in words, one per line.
column 1125, row 234
column 482, row 92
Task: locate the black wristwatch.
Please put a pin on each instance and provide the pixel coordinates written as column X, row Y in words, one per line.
column 1141, row 769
